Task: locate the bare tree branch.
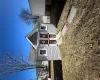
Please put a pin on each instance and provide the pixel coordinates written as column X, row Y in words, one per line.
column 27, row 17
column 9, row 65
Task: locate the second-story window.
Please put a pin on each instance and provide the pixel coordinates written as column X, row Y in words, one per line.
column 42, row 52
column 43, row 27
column 43, row 41
column 43, row 35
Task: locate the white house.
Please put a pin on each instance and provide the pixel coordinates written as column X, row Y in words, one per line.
column 43, row 38
column 40, row 7
column 44, row 42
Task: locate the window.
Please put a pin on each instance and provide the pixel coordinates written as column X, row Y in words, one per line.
column 43, row 35
column 43, row 27
column 52, row 36
column 52, row 41
column 42, row 52
column 43, row 41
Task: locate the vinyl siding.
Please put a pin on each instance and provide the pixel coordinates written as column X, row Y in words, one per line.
column 53, row 53
column 37, row 7
column 50, row 28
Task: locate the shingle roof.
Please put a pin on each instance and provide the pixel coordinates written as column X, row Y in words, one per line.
column 32, row 54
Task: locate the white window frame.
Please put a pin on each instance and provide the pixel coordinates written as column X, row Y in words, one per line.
column 43, row 54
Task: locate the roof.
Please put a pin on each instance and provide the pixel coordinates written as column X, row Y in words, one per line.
column 33, row 35
column 32, row 38
column 36, row 25
column 32, row 54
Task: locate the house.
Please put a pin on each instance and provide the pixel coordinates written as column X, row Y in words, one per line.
column 40, row 7
column 44, row 42
column 43, row 38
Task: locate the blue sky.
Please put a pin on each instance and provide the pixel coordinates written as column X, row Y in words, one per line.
column 12, row 35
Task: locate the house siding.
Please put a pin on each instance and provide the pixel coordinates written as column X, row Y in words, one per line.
column 53, row 53
column 52, row 49
column 37, row 7
column 50, row 28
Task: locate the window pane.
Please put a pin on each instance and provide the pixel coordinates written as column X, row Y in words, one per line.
column 43, row 35
column 52, row 41
column 42, row 51
column 43, row 27
column 43, row 41
column 52, row 36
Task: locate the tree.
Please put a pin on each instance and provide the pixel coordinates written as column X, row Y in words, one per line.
column 8, row 65
column 27, row 16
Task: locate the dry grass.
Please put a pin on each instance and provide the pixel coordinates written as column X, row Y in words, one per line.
column 63, row 17
column 80, row 49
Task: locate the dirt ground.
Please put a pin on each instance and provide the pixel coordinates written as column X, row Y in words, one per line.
column 80, row 49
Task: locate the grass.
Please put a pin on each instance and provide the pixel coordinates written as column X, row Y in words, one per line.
column 80, row 49
column 64, row 16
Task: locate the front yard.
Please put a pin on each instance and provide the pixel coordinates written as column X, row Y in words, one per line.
column 80, row 48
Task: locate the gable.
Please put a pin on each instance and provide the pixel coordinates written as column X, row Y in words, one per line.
column 33, row 38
